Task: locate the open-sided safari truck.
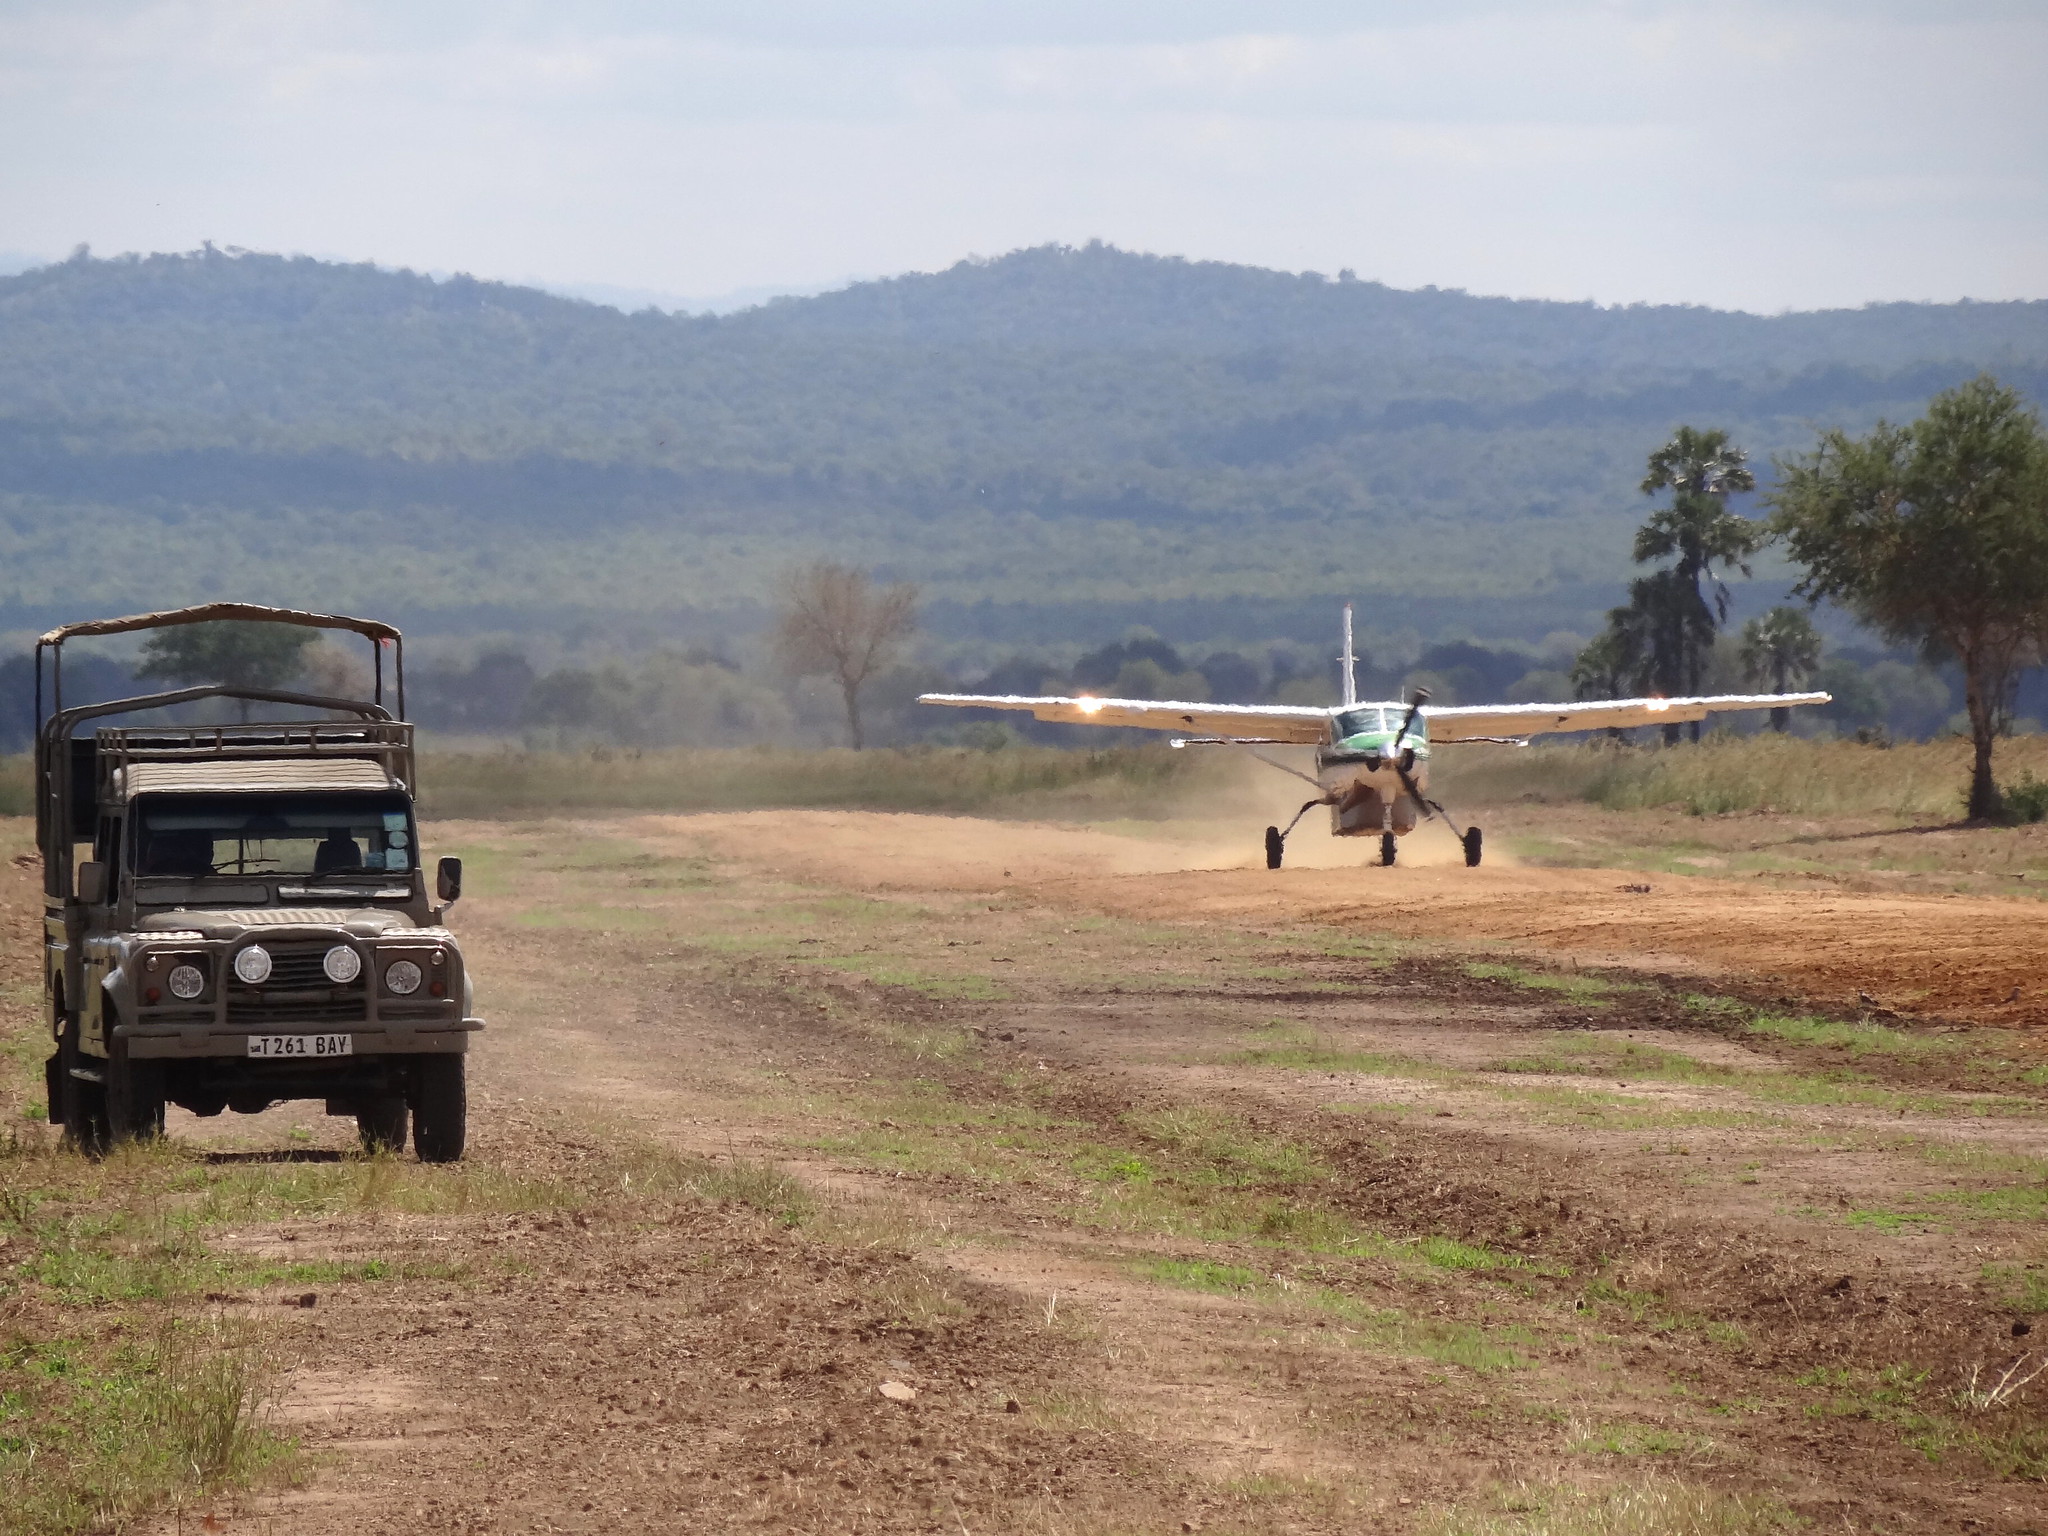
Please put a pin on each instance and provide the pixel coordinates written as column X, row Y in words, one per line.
column 235, row 915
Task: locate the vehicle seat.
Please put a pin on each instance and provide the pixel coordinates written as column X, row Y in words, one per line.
column 179, row 853
column 337, row 851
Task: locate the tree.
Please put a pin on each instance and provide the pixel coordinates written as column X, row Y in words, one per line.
column 230, row 651
column 834, row 619
column 1646, row 641
column 1696, row 532
column 1780, row 651
column 1935, row 534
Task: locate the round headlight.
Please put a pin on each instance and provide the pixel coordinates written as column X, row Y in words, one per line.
column 342, row 965
column 187, row 981
column 403, row 977
column 253, row 965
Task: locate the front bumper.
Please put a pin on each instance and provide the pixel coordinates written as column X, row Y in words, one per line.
column 185, row 1042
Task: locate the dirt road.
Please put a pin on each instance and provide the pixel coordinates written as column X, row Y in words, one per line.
column 845, row 1173
column 1978, row 959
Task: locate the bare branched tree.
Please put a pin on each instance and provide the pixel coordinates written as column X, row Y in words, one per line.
column 835, row 620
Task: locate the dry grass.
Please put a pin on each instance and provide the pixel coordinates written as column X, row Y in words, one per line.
column 1732, row 773
column 1018, row 781
column 1655, row 1507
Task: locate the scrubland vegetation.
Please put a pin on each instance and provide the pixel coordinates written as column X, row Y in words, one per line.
column 1721, row 775
column 1725, row 774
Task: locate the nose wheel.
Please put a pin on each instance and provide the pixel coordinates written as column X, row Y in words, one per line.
column 1386, row 848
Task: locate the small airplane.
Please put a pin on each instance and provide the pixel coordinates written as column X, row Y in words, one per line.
column 1372, row 758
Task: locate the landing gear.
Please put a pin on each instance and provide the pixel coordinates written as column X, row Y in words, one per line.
column 1471, row 840
column 1276, row 837
column 1386, row 848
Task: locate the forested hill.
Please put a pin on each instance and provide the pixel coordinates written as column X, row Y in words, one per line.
column 1056, row 443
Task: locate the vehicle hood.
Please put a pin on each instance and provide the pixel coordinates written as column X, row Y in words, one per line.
column 360, row 922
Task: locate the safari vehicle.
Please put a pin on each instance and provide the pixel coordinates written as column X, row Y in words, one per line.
column 237, row 915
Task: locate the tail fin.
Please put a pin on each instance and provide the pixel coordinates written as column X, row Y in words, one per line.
column 1349, row 661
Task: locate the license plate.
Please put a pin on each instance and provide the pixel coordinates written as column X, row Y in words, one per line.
column 302, row 1045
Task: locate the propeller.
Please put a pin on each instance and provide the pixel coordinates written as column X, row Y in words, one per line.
column 1400, row 759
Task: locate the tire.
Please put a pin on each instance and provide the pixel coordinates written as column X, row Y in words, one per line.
column 134, row 1097
column 382, row 1123
column 85, row 1103
column 53, row 1088
column 1276, row 847
column 440, row 1108
column 1472, row 847
column 1386, row 848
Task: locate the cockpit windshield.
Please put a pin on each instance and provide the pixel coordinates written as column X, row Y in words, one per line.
column 1367, row 718
column 1380, row 720
column 193, row 836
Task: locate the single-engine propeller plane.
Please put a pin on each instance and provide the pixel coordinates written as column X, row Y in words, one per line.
column 1372, row 758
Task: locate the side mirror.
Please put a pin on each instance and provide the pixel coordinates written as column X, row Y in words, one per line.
column 92, row 883
column 447, row 880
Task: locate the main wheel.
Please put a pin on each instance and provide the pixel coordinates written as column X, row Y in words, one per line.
column 1472, row 846
column 1386, row 847
column 1276, row 846
column 85, row 1101
column 440, row 1108
column 382, row 1123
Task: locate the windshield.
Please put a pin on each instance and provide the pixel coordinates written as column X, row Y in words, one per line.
column 1360, row 721
column 190, row 836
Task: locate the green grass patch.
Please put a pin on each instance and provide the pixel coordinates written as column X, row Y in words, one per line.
column 1592, row 991
column 96, row 1434
column 2024, row 1288
column 1637, row 1440
column 1203, row 1275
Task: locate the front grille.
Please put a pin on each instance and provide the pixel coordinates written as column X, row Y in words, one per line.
column 297, row 990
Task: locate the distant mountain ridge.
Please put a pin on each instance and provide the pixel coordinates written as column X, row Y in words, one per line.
column 1066, row 439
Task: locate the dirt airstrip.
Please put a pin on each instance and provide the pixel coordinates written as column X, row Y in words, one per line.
column 840, row 1172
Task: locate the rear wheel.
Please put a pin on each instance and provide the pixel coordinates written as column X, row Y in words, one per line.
column 382, row 1122
column 1276, row 847
column 1386, row 847
column 440, row 1108
column 1472, row 847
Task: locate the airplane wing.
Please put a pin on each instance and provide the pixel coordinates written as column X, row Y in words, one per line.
column 1479, row 722
column 1302, row 723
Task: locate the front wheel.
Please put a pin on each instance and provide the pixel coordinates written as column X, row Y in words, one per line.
column 85, row 1100
column 1276, row 847
column 440, row 1109
column 1472, row 847
column 381, row 1124
column 134, row 1096
column 1386, row 847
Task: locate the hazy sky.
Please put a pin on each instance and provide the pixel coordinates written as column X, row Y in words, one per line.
column 1763, row 156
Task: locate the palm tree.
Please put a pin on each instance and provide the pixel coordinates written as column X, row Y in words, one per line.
column 1780, row 650
column 1696, row 532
